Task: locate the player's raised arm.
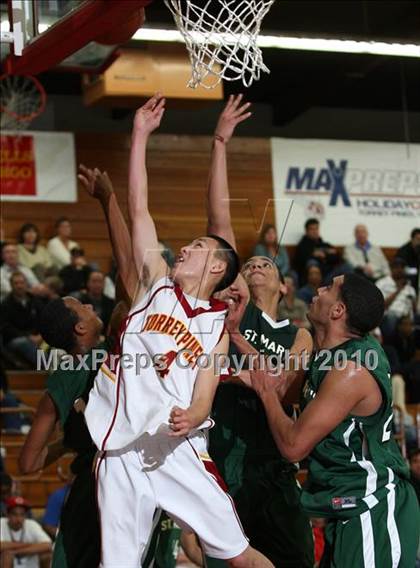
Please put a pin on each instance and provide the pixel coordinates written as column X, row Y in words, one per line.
column 99, row 186
column 351, row 390
column 147, row 257
column 218, row 206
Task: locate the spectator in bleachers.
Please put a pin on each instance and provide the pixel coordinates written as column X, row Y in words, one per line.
column 292, row 308
column 6, row 486
column 399, row 296
column 95, row 296
column 268, row 245
column 312, row 247
column 51, row 519
column 398, row 389
column 314, row 281
column 22, row 540
column 20, row 325
column 11, row 265
column 61, row 245
column 404, row 340
column 364, row 257
column 75, row 275
column 11, row 421
column 412, row 377
column 410, row 252
column 53, row 287
column 31, row 254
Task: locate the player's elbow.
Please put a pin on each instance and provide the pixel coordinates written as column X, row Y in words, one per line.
column 26, row 463
column 294, row 453
column 24, row 466
column 137, row 206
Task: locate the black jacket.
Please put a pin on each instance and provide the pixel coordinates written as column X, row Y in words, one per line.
column 412, row 258
column 304, row 253
column 19, row 320
column 74, row 280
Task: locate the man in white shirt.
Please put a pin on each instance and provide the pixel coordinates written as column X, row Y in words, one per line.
column 400, row 296
column 10, row 265
column 22, row 540
column 364, row 257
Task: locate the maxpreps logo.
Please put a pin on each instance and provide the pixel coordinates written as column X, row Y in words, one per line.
column 373, row 191
column 329, row 179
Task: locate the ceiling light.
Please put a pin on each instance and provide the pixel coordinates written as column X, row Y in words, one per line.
column 299, row 43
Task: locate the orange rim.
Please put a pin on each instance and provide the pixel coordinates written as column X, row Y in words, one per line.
column 34, row 114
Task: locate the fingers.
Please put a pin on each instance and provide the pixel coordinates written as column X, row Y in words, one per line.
column 152, row 102
column 84, row 169
column 159, row 109
column 239, row 111
column 83, row 180
column 86, row 172
column 179, row 433
column 87, row 178
column 179, row 422
column 236, row 101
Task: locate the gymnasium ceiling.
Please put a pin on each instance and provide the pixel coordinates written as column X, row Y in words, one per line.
column 300, row 80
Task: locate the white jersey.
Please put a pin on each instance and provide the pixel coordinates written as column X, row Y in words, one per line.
column 156, row 367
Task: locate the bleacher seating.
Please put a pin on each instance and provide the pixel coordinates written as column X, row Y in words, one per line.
column 28, row 387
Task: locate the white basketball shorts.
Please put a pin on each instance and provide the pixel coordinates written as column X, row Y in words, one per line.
column 174, row 474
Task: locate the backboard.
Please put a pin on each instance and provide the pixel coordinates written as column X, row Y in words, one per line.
column 45, row 34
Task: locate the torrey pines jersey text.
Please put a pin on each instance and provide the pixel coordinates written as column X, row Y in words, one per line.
column 155, row 367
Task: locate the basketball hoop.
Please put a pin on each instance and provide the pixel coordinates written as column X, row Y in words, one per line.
column 22, row 99
column 221, row 38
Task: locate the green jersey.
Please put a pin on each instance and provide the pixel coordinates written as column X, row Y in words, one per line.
column 78, row 540
column 65, row 387
column 354, row 466
column 242, row 430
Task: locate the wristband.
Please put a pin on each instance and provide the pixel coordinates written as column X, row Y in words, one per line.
column 220, row 138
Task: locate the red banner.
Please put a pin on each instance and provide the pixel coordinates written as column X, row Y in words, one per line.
column 17, row 165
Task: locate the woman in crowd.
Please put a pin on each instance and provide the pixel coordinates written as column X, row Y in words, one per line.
column 31, row 253
column 313, row 282
column 60, row 246
column 268, row 245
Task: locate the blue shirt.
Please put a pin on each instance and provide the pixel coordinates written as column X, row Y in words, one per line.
column 366, row 247
column 306, row 293
column 54, row 505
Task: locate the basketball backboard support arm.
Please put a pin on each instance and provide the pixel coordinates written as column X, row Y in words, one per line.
column 21, row 13
column 93, row 18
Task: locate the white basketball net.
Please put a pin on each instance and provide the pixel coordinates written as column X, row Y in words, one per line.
column 221, row 38
column 22, row 99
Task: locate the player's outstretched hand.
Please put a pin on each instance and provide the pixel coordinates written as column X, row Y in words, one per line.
column 96, row 183
column 233, row 113
column 148, row 116
column 180, row 422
